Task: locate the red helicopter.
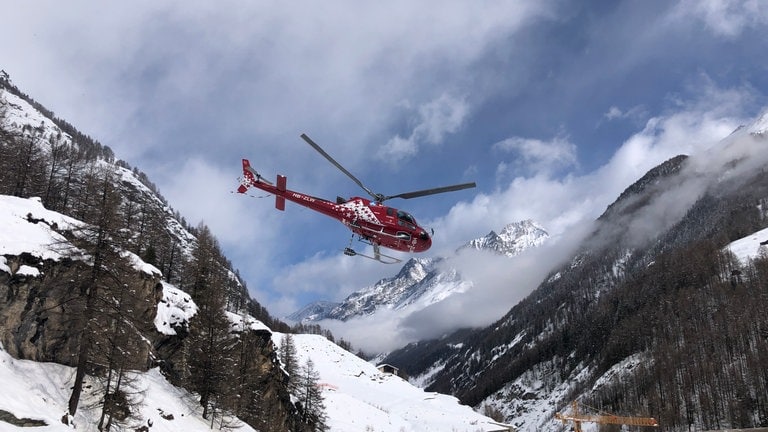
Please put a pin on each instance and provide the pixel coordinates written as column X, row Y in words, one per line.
column 373, row 222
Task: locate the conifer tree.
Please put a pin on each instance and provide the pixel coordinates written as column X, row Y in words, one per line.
column 24, row 163
column 100, row 241
column 311, row 398
column 210, row 342
column 118, row 354
column 289, row 359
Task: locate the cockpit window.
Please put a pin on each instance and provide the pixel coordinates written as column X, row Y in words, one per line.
column 405, row 217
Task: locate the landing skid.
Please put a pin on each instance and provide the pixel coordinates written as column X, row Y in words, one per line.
column 377, row 255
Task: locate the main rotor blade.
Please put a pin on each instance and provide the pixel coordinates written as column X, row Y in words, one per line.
column 338, row 165
column 409, row 195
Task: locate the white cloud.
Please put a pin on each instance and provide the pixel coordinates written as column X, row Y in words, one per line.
column 728, row 18
column 540, row 156
column 635, row 113
column 397, row 149
column 359, row 331
column 441, row 116
column 613, row 112
column 498, row 283
column 435, row 119
column 203, row 193
column 336, row 68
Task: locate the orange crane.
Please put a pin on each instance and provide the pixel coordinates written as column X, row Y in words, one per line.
column 576, row 417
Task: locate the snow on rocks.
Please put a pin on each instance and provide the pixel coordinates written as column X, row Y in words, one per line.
column 174, row 311
column 139, row 264
column 28, row 227
column 242, row 322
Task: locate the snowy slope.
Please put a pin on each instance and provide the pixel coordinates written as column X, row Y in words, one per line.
column 313, row 311
column 28, row 227
column 760, row 126
column 40, row 391
column 19, row 113
column 360, row 398
column 749, row 247
column 21, row 117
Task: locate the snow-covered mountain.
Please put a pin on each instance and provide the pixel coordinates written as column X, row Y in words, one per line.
column 313, row 311
column 422, row 282
column 512, row 239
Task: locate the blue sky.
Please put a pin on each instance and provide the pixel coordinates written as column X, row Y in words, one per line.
column 552, row 107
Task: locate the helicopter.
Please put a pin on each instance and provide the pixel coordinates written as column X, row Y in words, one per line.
column 374, row 223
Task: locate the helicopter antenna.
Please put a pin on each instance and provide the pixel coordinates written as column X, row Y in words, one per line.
column 379, row 198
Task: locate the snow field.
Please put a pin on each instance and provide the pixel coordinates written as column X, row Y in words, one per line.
column 358, row 397
column 40, row 391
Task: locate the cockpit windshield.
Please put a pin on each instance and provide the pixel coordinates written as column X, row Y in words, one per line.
column 406, row 217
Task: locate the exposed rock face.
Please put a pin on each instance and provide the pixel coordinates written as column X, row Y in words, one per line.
column 38, row 314
column 7, row 417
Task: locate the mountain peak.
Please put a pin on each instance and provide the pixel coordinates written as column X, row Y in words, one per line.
column 312, row 312
column 760, row 126
column 512, row 239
